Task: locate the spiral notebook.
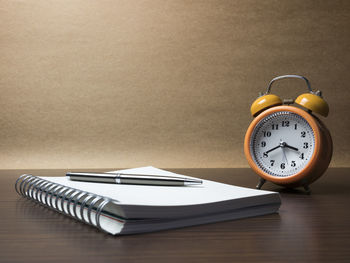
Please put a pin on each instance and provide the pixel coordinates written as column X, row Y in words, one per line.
column 130, row 209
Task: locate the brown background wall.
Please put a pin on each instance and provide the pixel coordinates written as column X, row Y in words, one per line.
column 163, row 83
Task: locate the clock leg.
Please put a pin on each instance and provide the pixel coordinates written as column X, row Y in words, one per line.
column 260, row 184
column 307, row 189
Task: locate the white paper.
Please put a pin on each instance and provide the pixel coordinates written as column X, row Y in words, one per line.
column 148, row 195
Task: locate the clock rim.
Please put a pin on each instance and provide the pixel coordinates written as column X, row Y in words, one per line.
column 302, row 174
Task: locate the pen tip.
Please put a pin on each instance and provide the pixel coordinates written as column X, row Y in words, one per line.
column 192, row 182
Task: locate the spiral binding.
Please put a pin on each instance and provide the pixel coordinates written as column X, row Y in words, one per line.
column 66, row 199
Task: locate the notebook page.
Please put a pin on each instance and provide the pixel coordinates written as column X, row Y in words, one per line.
column 208, row 192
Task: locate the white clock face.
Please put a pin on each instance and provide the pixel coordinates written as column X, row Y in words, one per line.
column 282, row 144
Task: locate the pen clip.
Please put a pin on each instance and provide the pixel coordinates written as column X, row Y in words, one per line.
column 117, row 178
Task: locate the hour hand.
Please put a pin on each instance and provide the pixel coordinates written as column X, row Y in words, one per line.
column 291, row 147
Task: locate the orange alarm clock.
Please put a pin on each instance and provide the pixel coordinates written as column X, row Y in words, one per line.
column 288, row 145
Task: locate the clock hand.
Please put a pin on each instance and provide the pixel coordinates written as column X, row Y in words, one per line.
column 284, row 154
column 274, row 148
column 291, row 147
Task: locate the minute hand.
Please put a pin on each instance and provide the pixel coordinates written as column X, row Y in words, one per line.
column 274, row 148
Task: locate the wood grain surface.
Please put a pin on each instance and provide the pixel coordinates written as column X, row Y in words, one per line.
column 308, row 228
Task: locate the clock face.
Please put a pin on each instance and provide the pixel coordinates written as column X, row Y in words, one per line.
column 282, row 144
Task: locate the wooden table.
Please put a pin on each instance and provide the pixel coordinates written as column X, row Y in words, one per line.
column 308, row 228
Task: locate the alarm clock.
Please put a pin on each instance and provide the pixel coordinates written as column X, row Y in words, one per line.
column 286, row 143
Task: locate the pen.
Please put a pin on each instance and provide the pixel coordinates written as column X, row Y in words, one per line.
column 124, row 178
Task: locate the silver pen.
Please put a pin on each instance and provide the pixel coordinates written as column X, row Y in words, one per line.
column 125, row 178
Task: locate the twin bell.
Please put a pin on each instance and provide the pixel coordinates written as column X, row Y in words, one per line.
column 312, row 101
